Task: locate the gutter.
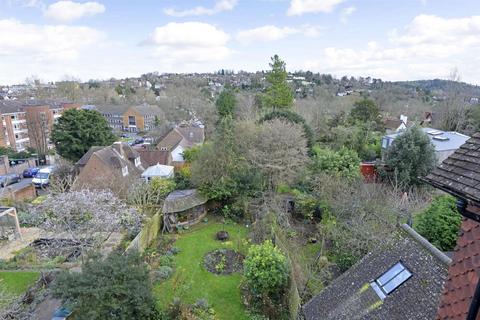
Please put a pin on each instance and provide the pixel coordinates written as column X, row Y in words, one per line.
column 427, row 245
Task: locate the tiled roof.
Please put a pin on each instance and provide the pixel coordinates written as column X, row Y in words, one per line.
column 171, row 140
column 463, row 274
column 459, row 174
column 117, row 110
column 392, row 123
column 152, row 157
column 194, row 135
column 351, row 296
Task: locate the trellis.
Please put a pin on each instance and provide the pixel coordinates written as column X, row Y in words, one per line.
column 8, row 213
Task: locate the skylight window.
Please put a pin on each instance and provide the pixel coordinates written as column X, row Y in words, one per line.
column 391, row 280
column 434, row 132
column 441, row 138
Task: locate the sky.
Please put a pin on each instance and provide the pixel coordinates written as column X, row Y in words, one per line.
column 101, row 39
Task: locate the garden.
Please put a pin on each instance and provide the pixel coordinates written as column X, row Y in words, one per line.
column 13, row 284
column 192, row 281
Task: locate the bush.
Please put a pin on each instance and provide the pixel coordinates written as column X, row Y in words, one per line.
column 265, row 268
column 166, row 260
column 117, row 287
column 163, row 273
column 344, row 163
column 440, row 223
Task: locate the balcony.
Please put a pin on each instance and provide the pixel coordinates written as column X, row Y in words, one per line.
column 18, row 121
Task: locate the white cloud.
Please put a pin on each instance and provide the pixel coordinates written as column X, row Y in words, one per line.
column 67, row 11
column 346, row 13
column 44, row 42
column 220, row 6
column 429, row 46
column 271, row 33
column 189, row 43
column 299, row 7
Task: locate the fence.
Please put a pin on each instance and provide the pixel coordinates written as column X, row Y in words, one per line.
column 148, row 234
column 294, row 300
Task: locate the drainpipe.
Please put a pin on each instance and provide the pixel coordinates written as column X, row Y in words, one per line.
column 475, row 303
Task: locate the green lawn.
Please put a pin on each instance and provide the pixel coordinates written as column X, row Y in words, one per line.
column 16, row 283
column 221, row 291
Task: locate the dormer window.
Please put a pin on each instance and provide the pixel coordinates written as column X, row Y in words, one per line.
column 137, row 161
column 163, row 149
column 125, row 171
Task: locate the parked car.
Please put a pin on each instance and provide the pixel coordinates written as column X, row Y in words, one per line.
column 30, row 172
column 9, row 179
column 139, row 140
column 61, row 314
column 42, row 178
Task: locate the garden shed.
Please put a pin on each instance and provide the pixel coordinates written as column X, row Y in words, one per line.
column 183, row 207
column 159, row 171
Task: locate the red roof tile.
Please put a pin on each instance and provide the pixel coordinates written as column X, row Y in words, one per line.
column 463, row 274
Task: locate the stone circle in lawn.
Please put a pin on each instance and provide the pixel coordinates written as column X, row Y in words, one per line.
column 223, row 261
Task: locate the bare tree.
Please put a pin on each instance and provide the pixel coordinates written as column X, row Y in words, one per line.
column 86, row 217
column 277, row 148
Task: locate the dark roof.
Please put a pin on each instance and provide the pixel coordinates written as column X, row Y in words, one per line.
column 84, row 159
column 112, row 109
column 10, row 106
column 147, row 109
column 170, row 140
column 182, row 200
column 392, row 123
column 152, row 157
column 126, row 150
column 459, row 174
column 463, row 274
column 351, row 297
column 195, row 135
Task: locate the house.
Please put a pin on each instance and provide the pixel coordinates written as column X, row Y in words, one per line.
column 181, row 138
column 29, row 123
column 151, row 157
column 130, row 118
column 445, row 142
column 401, row 279
column 142, row 118
column 183, row 207
column 103, row 167
column 459, row 175
column 158, row 171
column 395, row 125
column 113, row 114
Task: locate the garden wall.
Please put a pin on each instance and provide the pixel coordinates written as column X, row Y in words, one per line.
column 148, row 234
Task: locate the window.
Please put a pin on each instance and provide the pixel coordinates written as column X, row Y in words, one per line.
column 385, row 143
column 163, row 149
column 391, row 280
column 137, row 161
column 131, row 121
column 125, row 171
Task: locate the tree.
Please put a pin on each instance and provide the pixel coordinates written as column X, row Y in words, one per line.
column 87, row 217
column 365, row 111
column 277, row 148
column 225, row 103
column 265, row 269
column 344, row 163
column 278, row 95
column 411, row 157
column 79, row 130
column 440, row 222
column 115, row 288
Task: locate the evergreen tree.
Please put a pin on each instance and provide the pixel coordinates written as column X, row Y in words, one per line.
column 78, row 130
column 411, row 157
column 278, row 95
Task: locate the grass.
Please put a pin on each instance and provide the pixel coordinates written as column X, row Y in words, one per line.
column 221, row 291
column 16, row 283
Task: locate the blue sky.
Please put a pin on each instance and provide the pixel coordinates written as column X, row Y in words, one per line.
column 393, row 40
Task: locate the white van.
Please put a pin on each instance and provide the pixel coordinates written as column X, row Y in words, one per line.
column 41, row 179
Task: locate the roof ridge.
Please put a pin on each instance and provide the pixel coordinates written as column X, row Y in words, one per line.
column 426, row 244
